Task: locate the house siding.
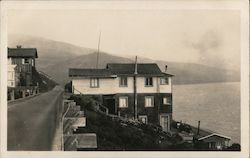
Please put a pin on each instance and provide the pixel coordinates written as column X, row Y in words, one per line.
column 106, row 86
column 23, row 69
column 151, row 112
column 112, row 86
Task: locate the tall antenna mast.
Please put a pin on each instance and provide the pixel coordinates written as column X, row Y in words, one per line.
column 98, row 51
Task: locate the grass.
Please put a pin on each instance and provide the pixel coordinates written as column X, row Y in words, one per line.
column 116, row 134
column 120, row 135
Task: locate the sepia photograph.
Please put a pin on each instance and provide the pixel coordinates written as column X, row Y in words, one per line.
column 152, row 77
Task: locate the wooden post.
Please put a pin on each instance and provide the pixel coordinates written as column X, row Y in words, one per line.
column 135, row 90
column 12, row 95
column 23, row 93
column 198, row 131
column 107, row 111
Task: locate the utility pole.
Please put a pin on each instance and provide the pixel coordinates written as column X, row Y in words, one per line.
column 135, row 90
column 198, row 130
column 98, row 51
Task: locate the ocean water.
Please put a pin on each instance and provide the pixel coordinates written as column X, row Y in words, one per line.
column 216, row 105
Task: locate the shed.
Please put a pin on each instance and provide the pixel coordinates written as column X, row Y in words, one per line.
column 213, row 141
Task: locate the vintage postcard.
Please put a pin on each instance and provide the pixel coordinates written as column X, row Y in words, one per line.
column 125, row 78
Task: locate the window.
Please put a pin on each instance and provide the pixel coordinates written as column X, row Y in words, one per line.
column 123, row 81
column 166, row 100
column 9, row 75
column 123, row 102
column 149, row 101
column 164, row 80
column 143, row 119
column 148, row 81
column 26, row 61
column 94, row 82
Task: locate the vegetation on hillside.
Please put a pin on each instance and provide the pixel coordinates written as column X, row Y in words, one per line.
column 118, row 134
column 45, row 83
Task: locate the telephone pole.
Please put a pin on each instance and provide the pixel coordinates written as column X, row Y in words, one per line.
column 98, row 51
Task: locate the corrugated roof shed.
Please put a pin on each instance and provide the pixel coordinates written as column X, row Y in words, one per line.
column 22, row 52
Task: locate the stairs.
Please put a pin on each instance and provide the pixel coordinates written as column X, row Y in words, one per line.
column 73, row 118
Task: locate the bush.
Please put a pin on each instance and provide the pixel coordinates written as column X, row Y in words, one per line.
column 234, row 147
column 85, row 102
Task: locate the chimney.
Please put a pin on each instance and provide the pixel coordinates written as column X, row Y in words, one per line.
column 19, row 46
column 136, row 72
column 166, row 68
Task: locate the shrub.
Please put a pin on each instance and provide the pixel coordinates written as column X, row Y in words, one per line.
column 234, row 147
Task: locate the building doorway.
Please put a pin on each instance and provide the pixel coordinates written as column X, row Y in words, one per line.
column 109, row 102
column 165, row 122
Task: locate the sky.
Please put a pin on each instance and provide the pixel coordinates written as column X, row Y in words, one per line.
column 209, row 37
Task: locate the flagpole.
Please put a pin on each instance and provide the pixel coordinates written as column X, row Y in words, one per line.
column 98, row 51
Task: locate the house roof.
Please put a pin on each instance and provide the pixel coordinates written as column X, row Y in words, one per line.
column 214, row 134
column 112, row 69
column 142, row 69
column 73, row 72
column 22, row 52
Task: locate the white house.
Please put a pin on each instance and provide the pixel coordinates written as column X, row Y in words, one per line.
column 140, row 91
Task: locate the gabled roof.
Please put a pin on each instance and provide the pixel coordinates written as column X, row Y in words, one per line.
column 142, row 69
column 214, row 134
column 22, row 52
column 73, row 72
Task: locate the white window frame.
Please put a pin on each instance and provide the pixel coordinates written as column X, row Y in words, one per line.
column 147, row 79
column 149, row 103
column 26, row 61
column 94, row 82
column 123, row 104
column 166, row 101
column 122, row 82
column 143, row 116
column 164, row 80
column 163, row 123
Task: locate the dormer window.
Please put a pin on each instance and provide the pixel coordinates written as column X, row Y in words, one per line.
column 123, row 81
column 164, row 81
column 149, row 81
column 94, row 83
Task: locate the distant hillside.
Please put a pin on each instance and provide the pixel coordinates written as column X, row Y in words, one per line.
column 56, row 57
column 49, row 52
